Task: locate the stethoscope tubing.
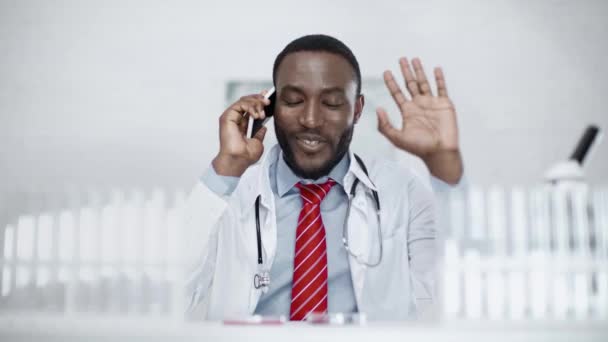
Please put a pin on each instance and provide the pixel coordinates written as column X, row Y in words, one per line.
column 345, row 226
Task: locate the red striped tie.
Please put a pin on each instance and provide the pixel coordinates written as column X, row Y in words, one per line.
column 309, row 287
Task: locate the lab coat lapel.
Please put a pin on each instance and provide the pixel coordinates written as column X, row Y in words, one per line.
column 357, row 241
column 260, row 186
column 358, row 227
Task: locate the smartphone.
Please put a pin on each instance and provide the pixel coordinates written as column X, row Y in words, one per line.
column 255, row 125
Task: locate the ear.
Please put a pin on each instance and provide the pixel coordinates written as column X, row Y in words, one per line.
column 359, row 103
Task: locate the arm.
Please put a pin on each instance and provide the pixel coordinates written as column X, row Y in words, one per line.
column 422, row 248
column 200, row 246
column 429, row 127
column 204, row 214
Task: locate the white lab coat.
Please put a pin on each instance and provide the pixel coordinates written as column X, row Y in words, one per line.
column 223, row 239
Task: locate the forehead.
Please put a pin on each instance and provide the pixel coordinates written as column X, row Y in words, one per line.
column 314, row 70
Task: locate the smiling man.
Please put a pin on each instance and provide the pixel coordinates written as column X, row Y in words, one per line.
column 319, row 103
column 312, row 228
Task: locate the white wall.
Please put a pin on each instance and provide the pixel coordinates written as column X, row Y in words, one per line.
column 128, row 93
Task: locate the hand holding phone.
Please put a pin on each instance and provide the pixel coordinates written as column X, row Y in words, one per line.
column 240, row 144
column 254, row 125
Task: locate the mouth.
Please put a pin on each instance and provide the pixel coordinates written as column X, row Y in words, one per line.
column 310, row 144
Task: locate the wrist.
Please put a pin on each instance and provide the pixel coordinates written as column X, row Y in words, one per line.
column 445, row 165
column 229, row 166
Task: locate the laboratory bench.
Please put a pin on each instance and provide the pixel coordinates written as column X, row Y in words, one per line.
column 81, row 327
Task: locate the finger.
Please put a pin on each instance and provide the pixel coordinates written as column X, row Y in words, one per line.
column 410, row 80
column 244, row 123
column 255, row 145
column 260, row 97
column 256, row 107
column 239, row 110
column 260, row 134
column 266, row 101
column 442, row 90
column 243, row 106
column 394, row 89
column 385, row 127
column 259, row 107
column 423, row 83
column 259, row 102
column 234, row 114
column 252, row 96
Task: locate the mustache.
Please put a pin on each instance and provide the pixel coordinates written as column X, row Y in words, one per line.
column 338, row 151
column 310, row 134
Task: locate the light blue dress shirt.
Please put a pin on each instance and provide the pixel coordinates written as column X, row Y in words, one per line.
column 275, row 302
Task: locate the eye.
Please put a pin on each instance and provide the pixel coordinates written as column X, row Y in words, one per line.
column 333, row 105
column 292, row 103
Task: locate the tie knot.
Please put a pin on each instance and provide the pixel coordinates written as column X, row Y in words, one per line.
column 314, row 193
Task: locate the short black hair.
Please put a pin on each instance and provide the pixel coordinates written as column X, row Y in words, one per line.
column 319, row 43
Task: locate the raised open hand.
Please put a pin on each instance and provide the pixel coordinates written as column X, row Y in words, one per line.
column 429, row 128
column 429, row 121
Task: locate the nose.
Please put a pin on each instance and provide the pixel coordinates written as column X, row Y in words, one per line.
column 311, row 116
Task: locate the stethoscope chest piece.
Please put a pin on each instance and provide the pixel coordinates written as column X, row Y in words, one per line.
column 261, row 280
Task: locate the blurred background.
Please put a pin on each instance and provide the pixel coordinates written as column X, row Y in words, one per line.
column 128, row 93
column 109, row 111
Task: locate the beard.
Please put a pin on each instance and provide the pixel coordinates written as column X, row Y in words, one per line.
column 323, row 170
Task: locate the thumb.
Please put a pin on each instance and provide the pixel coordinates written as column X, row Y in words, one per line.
column 385, row 127
column 260, row 134
column 255, row 145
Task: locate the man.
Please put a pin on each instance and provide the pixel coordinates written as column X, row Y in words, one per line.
column 310, row 191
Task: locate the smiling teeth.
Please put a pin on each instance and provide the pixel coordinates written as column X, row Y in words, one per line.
column 311, row 142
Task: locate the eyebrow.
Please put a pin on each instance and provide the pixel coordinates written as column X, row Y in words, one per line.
column 297, row 89
column 334, row 90
column 293, row 88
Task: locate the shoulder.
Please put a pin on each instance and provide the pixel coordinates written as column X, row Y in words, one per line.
column 248, row 185
column 386, row 172
column 252, row 173
column 399, row 184
column 257, row 175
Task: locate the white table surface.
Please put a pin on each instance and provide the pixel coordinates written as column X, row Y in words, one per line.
column 35, row 327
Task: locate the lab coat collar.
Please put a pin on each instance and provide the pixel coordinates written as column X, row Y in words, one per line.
column 287, row 179
column 260, row 183
column 260, row 180
column 358, row 173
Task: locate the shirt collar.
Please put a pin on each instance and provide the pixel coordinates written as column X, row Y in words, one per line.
column 286, row 179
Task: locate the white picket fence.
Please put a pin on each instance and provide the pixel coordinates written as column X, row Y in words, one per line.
column 114, row 252
column 515, row 254
column 509, row 254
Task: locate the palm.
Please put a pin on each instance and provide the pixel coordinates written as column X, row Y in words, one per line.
column 429, row 122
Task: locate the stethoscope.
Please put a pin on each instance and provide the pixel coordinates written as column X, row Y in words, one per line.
column 262, row 278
